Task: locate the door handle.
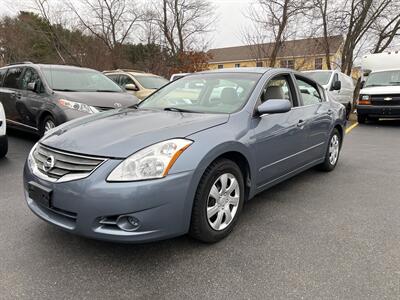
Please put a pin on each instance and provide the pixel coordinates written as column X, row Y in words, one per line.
column 330, row 111
column 301, row 123
column 17, row 95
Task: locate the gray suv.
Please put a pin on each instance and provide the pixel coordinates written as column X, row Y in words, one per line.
column 38, row 97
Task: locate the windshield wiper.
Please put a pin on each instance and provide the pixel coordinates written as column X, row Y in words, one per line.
column 179, row 109
column 64, row 90
column 135, row 106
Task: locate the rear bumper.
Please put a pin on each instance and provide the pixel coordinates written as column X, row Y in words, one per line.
column 381, row 111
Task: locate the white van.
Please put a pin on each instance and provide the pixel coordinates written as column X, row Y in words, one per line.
column 3, row 136
column 337, row 84
column 380, row 93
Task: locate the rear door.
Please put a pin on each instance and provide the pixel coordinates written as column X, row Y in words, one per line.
column 11, row 93
column 279, row 139
column 317, row 114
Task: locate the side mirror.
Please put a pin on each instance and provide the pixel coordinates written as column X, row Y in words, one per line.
column 274, row 106
column 131, row 87
column 33, row 86
column 337, row 85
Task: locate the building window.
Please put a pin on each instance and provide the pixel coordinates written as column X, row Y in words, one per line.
column 220, row 66
column 259, row 64
column 287, row 63
column 318, row 63
column 237, row 65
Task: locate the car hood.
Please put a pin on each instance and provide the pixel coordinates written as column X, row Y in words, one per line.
column 120, row 133
column 100, row 99
column 380, row 90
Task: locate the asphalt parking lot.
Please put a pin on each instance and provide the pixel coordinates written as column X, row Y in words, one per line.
column 317, row 236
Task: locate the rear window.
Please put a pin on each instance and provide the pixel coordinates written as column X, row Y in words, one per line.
column 13, row 77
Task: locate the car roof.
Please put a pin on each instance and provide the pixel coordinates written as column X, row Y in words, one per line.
column 238, row 70
column 128, row 71
column 29, row 64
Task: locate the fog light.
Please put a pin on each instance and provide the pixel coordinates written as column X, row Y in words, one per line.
column 128, row 223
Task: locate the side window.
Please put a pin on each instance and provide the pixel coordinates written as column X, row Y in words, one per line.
column 309, row 92
column 13, row 77
column 2, row 74
column 113, row 77
column 124, row 80
column 30, row 76
column 278, row 88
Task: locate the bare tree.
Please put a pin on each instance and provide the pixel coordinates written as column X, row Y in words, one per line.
column 183, row 23
column 325, row 10
column 386, row 28
column 60, row 47
column 111, row 21
column 273, row 18
column 358, row 17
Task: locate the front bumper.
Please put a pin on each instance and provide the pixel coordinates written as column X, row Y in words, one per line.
column 162, row 207
column 379, row 111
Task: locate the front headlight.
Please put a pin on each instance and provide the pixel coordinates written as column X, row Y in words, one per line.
column 82, row 107
column 149, row 163
column 31, row 160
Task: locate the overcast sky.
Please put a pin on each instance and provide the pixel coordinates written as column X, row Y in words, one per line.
column 230, row 23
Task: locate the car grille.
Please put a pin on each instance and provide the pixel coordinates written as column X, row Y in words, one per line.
column 380, row 100
column 64, row 163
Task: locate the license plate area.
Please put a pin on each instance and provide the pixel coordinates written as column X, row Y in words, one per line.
column 39, row 194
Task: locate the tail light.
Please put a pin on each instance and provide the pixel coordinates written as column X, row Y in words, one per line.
column 364, row 100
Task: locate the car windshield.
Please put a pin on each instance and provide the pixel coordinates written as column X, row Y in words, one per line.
column 383, row 78
column 205, row 93
column 151, row 82
column 78, row 80
column 322, row 77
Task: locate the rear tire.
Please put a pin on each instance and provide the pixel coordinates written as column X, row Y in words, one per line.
column 361, row 119
column 218, row 201
column 373, row 119
column 3, row 146
column 332, row 152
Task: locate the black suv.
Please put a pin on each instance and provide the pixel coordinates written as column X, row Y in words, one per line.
column 38, row 97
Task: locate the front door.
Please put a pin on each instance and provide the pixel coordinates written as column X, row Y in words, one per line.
column 31, row 101
column 278, row 139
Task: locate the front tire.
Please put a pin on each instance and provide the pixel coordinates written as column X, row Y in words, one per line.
column 218, row 201
column 332, row 152
column 47, row 124
column 3, row 146
column 361, row 119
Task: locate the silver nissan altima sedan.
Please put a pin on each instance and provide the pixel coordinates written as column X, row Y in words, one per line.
column 185, row 159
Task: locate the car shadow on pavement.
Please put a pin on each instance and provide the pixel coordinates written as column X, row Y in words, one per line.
column 259, row 209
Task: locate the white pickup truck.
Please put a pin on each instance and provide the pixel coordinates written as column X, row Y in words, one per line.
column 380, row 93
column 3, row 136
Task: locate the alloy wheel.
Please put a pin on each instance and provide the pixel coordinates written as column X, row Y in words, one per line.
column 223, row 201
column 49, row 125
column 334, row 147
